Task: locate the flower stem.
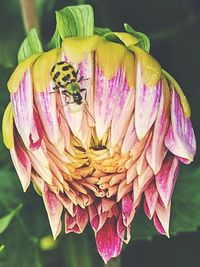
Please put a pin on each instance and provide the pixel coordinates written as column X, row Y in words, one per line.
column 114, row 262
column 29, row 14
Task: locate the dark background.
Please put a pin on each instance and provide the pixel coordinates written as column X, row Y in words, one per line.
column 174, row 30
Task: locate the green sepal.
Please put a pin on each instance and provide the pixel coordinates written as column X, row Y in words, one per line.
column 1, row 248
column 55, row 40
column 5, row 221
column 101, row 31
column 31, row 45
column 75, row 21
column 144, row 41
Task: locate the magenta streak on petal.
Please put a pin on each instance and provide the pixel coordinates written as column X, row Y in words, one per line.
column 54, row 210
column 161, row 219
column 130, row 138
column 128, row 209
column 151, row 197
column 71, row 224
column 46, row 106
column 106, row 94
column 146, row 105
column 81, row 218
column 122, row 114
column 22, row 164
column 97, row 220
column 22, row 102
column 109, row 244
column 156, row 149
column 38, row 126
column 180, row 139
column 166, row 178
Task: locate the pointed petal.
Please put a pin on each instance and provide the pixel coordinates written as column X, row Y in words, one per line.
column 128, row 209
column 180, row 139
column 22, row 164
column 109, row 244
column 81, row 218
column 54, row 210
column 166, row 178
column 146, row 104
column 156, row 149
column 161, row 219
column 151, row 197
column 71, row 224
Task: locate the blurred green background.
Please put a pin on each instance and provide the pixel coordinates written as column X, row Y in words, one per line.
column 174, row 30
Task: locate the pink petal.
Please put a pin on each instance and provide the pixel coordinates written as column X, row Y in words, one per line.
column 78, row 222
column 146, row 105
column 22, row 102
column 54, row 210
column 161, row 219
column 22, row 164
column 109, row 244
column 97, row 220
column 46, row 106
column 70, row 224
column 166, row 178
column 151, row 197
column 128, row 209
column 130, row 138
column 124, row 107
column 81, row 218
column 106, row 95
column 123, row 231
column 156, row 149
column 180, row 139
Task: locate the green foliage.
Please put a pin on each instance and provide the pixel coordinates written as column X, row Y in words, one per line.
column 144, row 42
column 6, row 220
column 75, row 21
column 31, row 45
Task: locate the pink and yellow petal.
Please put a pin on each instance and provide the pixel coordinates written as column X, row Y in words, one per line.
column 180, row 138
column 156, row 149
column 146, row 104
column 54, row 210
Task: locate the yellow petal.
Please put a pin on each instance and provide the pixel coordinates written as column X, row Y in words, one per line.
column 17, row 75
column 109, row 57
column 184, row 102
column 75, row 48
column 7, row 127
column 125, row 37
column 151, row 70
column 42, row 69
column 129, row 65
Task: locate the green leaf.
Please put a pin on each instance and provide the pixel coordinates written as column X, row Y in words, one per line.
column 75, row 21
column 144, row 42
column 185, row 215
column 31, row 45
column 55, row 40
column 6, row 220
column 1, row 248
column 101, row 31
column 186, row 203
column 20, row 249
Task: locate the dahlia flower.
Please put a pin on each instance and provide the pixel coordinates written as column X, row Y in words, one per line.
column 98, row 160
